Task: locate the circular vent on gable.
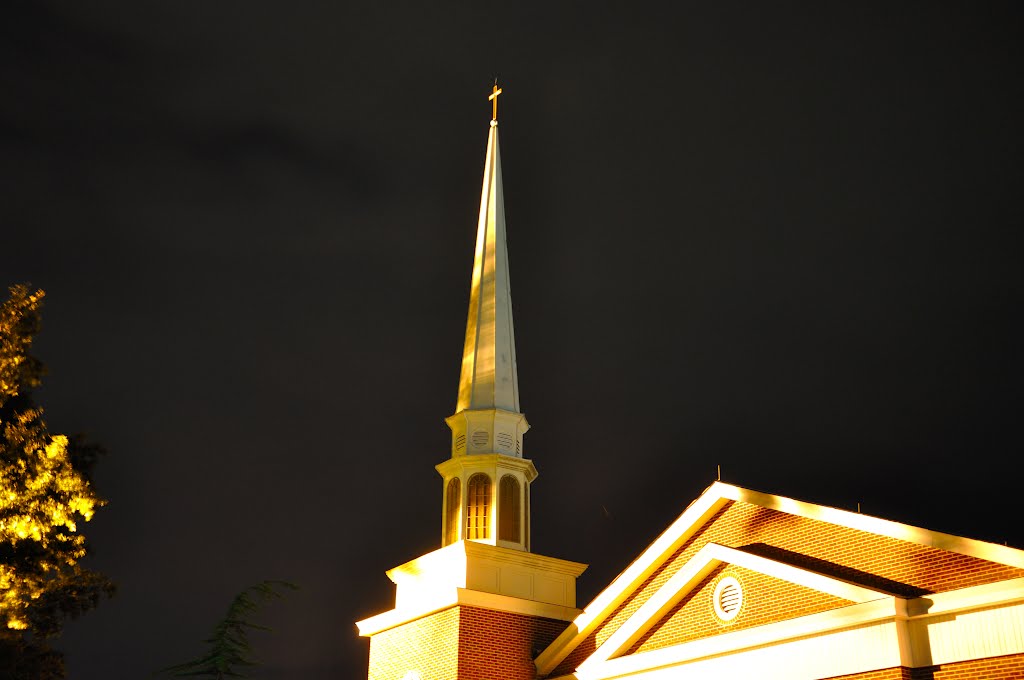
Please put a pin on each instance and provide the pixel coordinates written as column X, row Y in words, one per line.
column 480, row 439
column 460, row 442
column 504, row 440
column 728, row 598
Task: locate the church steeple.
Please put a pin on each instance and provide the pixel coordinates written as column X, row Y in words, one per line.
column 483, row 582
column 487, row 480
column 489, row 378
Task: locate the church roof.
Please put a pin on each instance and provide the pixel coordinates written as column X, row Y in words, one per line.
column 489, row 378
column 824, row 548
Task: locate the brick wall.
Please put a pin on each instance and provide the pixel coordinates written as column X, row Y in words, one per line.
column 995, row 668
column 765, row 599
column 428, row 646
column 884, row 674
column 497, row 645
column 470, row 643
column 889, row 564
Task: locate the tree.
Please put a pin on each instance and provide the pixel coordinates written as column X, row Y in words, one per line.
column 229, row 650
column 45, row 493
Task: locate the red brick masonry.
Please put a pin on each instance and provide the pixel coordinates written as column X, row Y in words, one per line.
column 766, row 600
column 463, row 642
column 997, row 668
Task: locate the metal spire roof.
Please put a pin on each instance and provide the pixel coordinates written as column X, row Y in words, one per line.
column 489, row 379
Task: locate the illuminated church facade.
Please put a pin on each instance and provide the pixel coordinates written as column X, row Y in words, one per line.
column 742, row 585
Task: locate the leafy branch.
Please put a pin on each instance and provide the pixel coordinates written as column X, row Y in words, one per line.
column 229, row 648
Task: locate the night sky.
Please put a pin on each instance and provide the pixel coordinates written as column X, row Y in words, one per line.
column 785, row 240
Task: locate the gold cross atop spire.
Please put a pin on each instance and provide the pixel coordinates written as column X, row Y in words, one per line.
column 494, row 98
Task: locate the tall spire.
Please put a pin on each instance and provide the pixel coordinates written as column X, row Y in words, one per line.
column 489, row 378
column 487, row 480
column 485, row 561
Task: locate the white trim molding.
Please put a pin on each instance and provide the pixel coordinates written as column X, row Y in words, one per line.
column 964, row 625
column 480, row 575
column 467, row 598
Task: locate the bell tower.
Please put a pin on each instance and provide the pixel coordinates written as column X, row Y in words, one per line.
column 486, row 495
column 478, row 607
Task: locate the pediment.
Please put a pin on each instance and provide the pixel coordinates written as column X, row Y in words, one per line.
column 757, row 591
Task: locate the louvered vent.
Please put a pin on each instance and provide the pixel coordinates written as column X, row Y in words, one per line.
column 460, row 442
column 519, row 448
column 504, row 440
column 728, row 598
column 480, row 439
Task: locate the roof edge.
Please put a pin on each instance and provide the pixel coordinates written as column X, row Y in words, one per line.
column 992, row 552
column 696, row 514
column 704, row 507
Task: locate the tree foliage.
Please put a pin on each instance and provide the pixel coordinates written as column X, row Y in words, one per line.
column 229, row 648
column 45, row 494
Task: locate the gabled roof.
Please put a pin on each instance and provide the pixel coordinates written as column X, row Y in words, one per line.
column 694, row 518
column 701, row 565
